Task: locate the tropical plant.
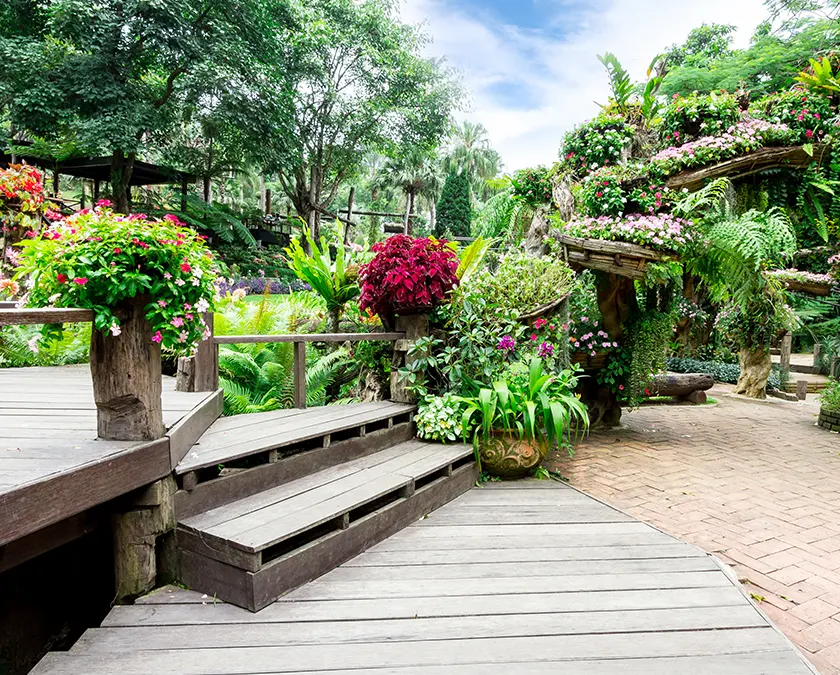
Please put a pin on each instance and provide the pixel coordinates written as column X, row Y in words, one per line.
column 406, row 274
column 439, row 418
column 469, row 151
column 830, row 396
column 415, row 173
column 532, row 405
column 504, row 216
column 596, row 143
column 620, row 83
column 471, row 257
column 20, row 347
column 821, row 77
column 332, row 280
column 98, row 260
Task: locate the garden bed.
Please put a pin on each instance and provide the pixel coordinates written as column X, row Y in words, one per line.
column 745, row 165
column 829, row 419
column 614, row 257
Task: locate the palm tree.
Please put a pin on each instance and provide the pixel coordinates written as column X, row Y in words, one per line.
column 470, row 151
column 416, row 174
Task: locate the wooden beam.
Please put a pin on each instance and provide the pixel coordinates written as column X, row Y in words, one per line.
column 313, row 338
column 381, row 214
column 23, row 317
column 300, row 374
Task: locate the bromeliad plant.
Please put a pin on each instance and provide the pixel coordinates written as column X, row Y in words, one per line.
column 531, row 405
column 334, row 281
column 99, row 260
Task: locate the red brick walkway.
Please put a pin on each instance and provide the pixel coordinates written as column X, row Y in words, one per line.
column 756, row 484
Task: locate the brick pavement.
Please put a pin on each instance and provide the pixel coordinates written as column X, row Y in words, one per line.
column 757, row 484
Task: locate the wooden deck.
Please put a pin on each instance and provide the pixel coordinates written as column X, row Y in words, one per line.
column 52, row 466
column 522, row 578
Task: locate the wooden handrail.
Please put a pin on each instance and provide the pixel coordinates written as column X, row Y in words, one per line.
column 299, row 341
column 308, row 337
column 23, row 317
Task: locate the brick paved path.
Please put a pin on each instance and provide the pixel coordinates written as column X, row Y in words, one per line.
column 758, row 484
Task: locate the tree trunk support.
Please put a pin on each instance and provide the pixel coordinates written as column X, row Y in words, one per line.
column 126, row 373
column 300, row 375
column 415, row 326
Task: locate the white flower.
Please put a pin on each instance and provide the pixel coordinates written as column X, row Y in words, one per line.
column 202, row 305
column 53, row 298
column 115, row 330
column 179, row 282
column 238, row 294
column 33, row 344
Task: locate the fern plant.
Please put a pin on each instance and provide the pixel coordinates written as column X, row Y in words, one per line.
column 19, row 347
column 503, row 216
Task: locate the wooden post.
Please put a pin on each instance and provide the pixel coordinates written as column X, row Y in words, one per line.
column 300, row 374
column 95, row 191
column 267, row 202
column 414, row 326
column 127, row 379
column 349, row 215
column 407, row 216
column 183, row 195
column 785, row 351
column 200, row 372
column 817, row 354
column 802, row 389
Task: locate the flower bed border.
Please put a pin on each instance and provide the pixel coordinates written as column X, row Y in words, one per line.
column 616, row 257
column 829, row 419
column 791, row 157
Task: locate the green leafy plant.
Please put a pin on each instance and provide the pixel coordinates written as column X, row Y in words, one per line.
column 532, row 185
column 454, row 210
column 830, row 397
column 695, row 115
column 439, row 418
column 821, row 76
column 332, row 280
column 601, row 194
column 534, row 406
column 596, row 143
column 620, row 84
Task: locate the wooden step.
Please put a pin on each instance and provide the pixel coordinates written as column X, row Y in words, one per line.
column 253, row 550
column 244, row 455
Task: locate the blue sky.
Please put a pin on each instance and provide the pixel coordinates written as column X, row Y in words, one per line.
column 531, row 65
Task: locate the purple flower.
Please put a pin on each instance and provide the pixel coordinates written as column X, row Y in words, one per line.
column 506, row 344
column 545, row 349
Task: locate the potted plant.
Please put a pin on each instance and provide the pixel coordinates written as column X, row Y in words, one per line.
column 520, row 418
column 830, row 407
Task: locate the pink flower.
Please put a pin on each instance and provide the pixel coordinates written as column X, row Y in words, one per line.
column 809, row 133
column 177, row 322
column 162, row 303
column 172, row 218
column 533, row 337
column 157, row 337
column 104, row 203
column 185, row 267
column 180, row 282
column 539, row 323
column 621, row 387
column 167, row 276
column 81, row 281
column 118, row 250
column 115, row 330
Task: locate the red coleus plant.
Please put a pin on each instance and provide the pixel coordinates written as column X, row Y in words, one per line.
column 408, row 273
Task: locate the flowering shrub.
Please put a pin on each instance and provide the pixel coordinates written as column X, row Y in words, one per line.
column 739, row 139
column 830, row 397
column 661, row 231
column 532, row 185
column 408, row 273
column 21, row 191
column 807, row 114
column 596, row 143
column 686, row 309
column 801, row 276
column 98, row 260
column 834, row 261
column 601, row 194
column 588, row 336
column 688, row 117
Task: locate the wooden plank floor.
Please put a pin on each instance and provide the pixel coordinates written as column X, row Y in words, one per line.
column 48, row 422
column 522, row 578
column 52, row 466
column 231, row 438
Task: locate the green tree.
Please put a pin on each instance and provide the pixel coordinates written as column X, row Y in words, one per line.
column 415, row 174
column 469, row 150
column 454, row 211
column 360, row 85
column 113, row 74
column 707, row 43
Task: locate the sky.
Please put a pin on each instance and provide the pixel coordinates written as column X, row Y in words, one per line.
column 531, row 67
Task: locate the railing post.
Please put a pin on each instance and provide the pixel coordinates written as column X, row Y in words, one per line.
column 415, row 326
column 200, row 372
column 300, row 374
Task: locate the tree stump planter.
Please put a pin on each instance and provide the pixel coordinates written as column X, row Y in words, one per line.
column 829, row 419
column 808, row 287
column 505, row 455
column 614, row 257
column 126, row 372
column 588, row 362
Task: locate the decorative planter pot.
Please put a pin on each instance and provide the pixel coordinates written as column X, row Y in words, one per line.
column 589, row 362
column 829, row 419
column 507, row 456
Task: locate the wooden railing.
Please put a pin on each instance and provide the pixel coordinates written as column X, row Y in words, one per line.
column 299, row 341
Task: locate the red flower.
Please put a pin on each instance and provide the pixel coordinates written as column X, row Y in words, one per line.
column 81, row 281
column 599, row 194
column 61, row 278
column 185, row 267
column 118, row 250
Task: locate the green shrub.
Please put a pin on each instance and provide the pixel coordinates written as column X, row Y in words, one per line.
column 532, row 185
column 696, row 115
column 722, row 372
column 808, row 114
column 439, row 418
column 454, row 210
column 830, row 398
column 596, row 143
column 249, row 262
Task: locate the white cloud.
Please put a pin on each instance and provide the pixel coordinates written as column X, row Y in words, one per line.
column 559, row 79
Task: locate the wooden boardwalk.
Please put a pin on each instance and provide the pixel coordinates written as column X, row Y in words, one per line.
column 530, row 577
column 52, row 466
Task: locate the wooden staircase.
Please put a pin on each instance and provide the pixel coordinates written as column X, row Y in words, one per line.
column 273, row 500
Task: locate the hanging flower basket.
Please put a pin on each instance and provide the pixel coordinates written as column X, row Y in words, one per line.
column 589, row 362
column 615, row 257
column 544, row 311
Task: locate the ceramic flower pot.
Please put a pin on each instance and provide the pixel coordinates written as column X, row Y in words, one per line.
column 507, row 456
